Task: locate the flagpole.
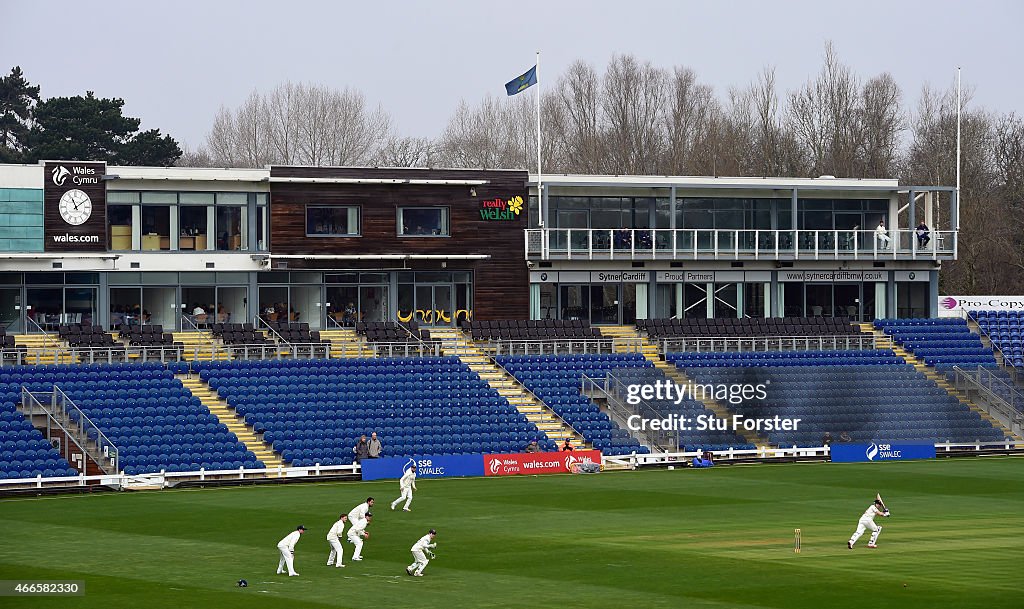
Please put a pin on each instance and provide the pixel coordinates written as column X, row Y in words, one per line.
column 540, row 187
column 959, row 201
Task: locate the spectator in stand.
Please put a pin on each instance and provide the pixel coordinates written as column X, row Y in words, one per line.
column 532, row 447
column 567, row 446
column 222, row 315
column 361, row 449
column 845, row 437
column 349, row 316
column 374, row 447
column 882, row 235
column 826, row 440
column 923, row 235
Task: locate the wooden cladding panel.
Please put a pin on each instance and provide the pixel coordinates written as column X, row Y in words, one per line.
column 501, row 282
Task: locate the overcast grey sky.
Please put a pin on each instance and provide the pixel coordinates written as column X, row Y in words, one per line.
column 175, row 63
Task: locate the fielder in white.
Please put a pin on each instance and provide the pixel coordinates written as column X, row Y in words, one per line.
column 360, row 511
column 336, row 557
column 287, row 549
column 867, row 522
column 357, row 533
column 407, row 484
column 420, row 550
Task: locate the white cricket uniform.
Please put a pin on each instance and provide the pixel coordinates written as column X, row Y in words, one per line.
column 407, row 485
column 287, row 548
column 419, row 562
column 867, row 522
column 358, row 513
column 355, row 535
column 334, row 540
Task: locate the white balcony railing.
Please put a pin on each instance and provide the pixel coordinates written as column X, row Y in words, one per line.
column 700, row 244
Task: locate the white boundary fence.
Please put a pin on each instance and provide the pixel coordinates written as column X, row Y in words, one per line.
column 171, row 479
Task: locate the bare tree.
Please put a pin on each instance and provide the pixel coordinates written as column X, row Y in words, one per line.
column 407, row 152
column 579, row 93
column 632, row 100
column 691, row 112
column 882, row 123
column 299, row 124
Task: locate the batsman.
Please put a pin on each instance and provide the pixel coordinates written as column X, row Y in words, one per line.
column 867, row 522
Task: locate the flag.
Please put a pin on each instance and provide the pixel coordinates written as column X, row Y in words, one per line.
column 523, row 82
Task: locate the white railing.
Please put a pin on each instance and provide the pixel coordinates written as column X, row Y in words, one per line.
column 170, row 479
column 726, row 244
column 857, row 342
column 179, row 353
column 166, row 479
column 561, row 346
column 793, row 452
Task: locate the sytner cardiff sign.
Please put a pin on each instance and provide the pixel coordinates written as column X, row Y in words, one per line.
column 958, row 306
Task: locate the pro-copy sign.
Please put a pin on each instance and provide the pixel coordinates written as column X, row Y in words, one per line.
column 882, row 451
column 429, row 466
column 537, row 463
column 75, row 206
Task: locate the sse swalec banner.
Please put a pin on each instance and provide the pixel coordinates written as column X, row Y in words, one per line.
column 875, row 452
column 429, row 466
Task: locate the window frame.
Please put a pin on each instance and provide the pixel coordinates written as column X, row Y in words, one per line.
column 446, row 221
column 359, row 221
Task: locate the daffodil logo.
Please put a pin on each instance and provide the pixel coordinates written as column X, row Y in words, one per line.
column 516, row 205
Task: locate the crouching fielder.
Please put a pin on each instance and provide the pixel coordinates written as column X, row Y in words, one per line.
column 287, row 549
column 407, row 484
column 337, row 555
column 867, row 522
column 357, row 533
column 420, row 549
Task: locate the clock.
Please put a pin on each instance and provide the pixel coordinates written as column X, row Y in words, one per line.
column 75, row 207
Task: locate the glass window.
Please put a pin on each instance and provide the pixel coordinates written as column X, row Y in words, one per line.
column 119, row 227
column 641, row 213
column 261, row 198
column 332, row 221
column 193, row 227
column 82, row 278
column 156, row 227
column 261, row 228
column 205, row 198
column 160, row 197
column 232, row 198
column 114, row 196
column 423, row 221
column 231, row 229
column 607, row 212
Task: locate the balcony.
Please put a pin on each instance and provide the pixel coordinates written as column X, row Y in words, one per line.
column 698, row 244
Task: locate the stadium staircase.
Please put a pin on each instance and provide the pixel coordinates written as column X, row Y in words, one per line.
column 344, row 342
column 199, row 346
column 44, row 349
column 455, row 342
column 884, row 341
column 229, row 417
column 652, row 353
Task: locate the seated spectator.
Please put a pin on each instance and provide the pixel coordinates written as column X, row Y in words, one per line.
column 923, row 234
column 845, row 437
column 567, row 446
column 532, row 447
column 827, row 439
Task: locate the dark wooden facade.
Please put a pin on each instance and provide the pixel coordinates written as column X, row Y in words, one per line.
column 501, row 281
column 87, row 177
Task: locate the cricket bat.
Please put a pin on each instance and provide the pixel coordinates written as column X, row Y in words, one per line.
column 879, row 498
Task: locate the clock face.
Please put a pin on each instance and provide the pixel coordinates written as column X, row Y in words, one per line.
column 75, row 207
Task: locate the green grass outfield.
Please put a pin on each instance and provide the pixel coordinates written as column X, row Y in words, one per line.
column 683, row 539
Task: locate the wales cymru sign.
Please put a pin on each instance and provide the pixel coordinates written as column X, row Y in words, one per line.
column 501, row 210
